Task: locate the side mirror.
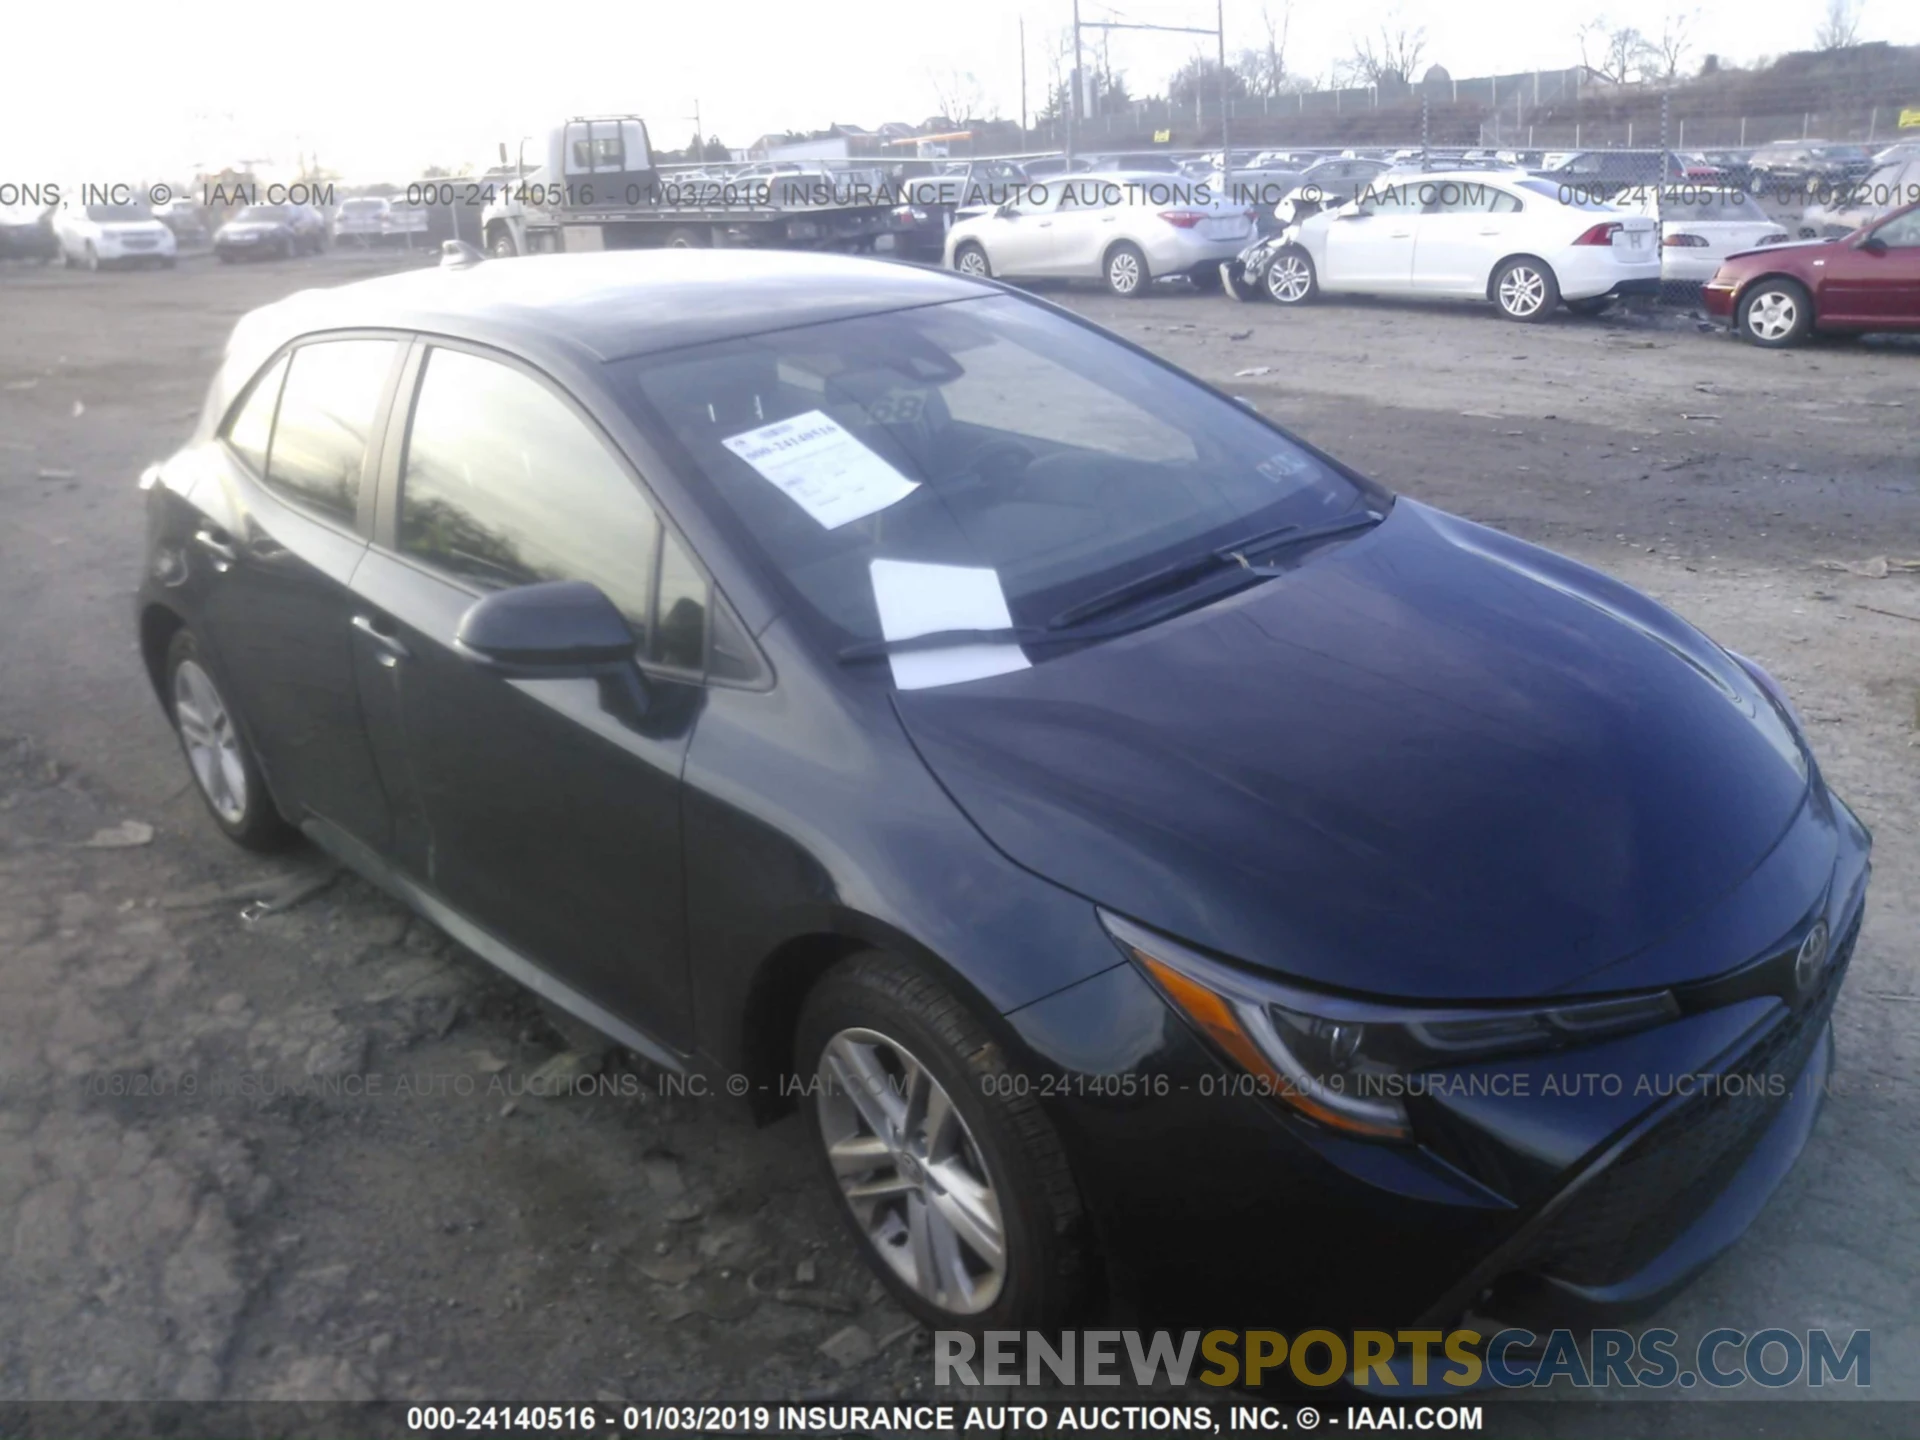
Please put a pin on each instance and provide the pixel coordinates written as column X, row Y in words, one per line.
column 1874, row 245
column 559, row 629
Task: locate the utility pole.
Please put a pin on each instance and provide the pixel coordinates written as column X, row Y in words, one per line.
column 699, row 135
column 1073, row 86
column 1023, row 82
column 1219, row 31
column 1226, row 140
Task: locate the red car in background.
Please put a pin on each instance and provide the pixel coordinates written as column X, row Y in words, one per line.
column 1869, row 280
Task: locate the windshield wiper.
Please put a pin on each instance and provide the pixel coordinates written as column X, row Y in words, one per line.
column 1067, row 626
column 1235, row 552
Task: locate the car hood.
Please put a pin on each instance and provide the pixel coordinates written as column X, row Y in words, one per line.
column 255, row 227
column 130, row 229
column 1766, row 253
column 1432, row 762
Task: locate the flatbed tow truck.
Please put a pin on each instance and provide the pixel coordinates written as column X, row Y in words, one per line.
column 598, row 188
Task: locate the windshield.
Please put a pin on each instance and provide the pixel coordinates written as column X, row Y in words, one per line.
column 1840, row 152
column 265, row 214
column 118, row 214
column 988, row 434
column 363, row 207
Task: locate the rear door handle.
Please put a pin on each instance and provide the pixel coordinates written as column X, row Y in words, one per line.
column 391, row 649
column 223, row 553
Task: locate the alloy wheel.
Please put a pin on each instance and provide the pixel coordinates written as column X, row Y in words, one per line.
column 1288, row 280
column 1772, row 316
column 972, row 261
column 911, row 1171
column 1523, row 290
column 211, row 742
column 1123, row 272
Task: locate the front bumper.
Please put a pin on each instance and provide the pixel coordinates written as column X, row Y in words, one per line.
column 1717, row 297
column 1560, row 1202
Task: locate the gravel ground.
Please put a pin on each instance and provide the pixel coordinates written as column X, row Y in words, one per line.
column 310, row 1157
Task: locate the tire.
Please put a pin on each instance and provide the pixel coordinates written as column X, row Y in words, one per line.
column 997, row 1157
column 93, row 258
column 688, row 237
column 1596, row 305
column 1206, row 278
column 225, row 773
column 1776, row 313
column 1290, row 278
column 225, row 257
column 1525, row 290
column 971, row 259
column 501, row 247
column 1126, row 272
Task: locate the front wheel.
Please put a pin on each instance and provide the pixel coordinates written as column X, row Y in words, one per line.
column 1525, row 290
column 1776, row 313
column 950, row 1175
column 224, row 770
column 1290, row 279
column 1126, row 271
column 502, row 247
column 971, row 259
column 93, row 257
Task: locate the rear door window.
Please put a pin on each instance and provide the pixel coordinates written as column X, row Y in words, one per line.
column 328, row 405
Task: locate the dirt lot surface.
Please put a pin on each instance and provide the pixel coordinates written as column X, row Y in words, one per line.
column 310, row 1156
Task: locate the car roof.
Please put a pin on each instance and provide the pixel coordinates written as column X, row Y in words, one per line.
column 616, row 304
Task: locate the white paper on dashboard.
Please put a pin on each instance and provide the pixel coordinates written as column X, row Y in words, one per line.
column 822, row 468
column 916, row 599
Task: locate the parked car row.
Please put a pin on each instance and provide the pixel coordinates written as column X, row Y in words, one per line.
column 1523, row 242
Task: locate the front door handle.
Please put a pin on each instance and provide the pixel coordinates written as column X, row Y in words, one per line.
column 391, row 650
column 213, row 542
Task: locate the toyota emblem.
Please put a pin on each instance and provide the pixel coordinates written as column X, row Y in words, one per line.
column 1812, row 957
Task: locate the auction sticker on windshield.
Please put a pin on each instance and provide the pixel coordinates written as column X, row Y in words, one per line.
column 822, row 468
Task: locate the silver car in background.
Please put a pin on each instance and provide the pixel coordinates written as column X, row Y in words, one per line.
column 1128, row 229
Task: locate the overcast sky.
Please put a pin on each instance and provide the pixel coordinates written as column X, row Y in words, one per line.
column 120, row 91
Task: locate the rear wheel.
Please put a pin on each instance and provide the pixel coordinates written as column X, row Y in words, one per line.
column 1290, row 279
column 224, row 770
column 687, row 237
column 953, row 1181
column 1126, row 271
column 1525, row 290
column 1776, row 313
column 971, row 259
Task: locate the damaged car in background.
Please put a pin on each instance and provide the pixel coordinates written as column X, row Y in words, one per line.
column 1527, row 245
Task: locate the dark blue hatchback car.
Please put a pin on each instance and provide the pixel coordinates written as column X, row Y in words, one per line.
column 1159, row 861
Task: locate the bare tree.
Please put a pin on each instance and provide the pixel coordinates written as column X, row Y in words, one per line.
column 957, row 96
column 1662, row 59
column 1612, row 52
column 1392, row 58
column 1264, row 67
column 1841, row 27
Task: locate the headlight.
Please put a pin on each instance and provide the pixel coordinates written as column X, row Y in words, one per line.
column 1347, row 1063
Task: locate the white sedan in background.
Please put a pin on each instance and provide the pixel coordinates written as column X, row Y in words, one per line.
column 1701, row 225
column 101, row 235
column 1126, row 229
column 1508, row 238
